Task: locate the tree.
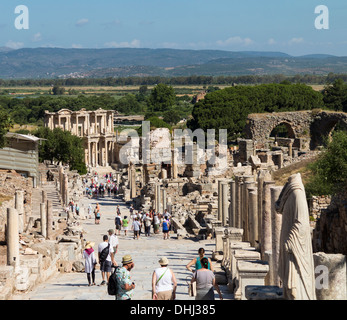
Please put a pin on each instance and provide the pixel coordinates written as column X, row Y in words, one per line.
column 5, row 125
column 61, row 146
column 228, row 108
column 162, row 97
column 335, row 96
column 57, row 90
column 329, row 172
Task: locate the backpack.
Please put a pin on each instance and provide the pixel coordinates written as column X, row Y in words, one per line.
column 104, row 253
column 112, row 286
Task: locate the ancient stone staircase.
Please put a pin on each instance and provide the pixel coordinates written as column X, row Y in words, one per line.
column 52, row 194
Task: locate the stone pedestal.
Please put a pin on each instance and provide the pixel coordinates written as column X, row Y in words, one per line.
column 250, row 273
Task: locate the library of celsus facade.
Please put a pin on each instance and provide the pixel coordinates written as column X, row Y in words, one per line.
column 96, row 128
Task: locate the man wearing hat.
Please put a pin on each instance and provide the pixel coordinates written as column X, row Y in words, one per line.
column 125, row 285
column 164, row 282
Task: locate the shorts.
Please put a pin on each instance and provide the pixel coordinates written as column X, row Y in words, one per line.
column 165, row 231
column 106, row 266
column 136, row 233
column 118, row 227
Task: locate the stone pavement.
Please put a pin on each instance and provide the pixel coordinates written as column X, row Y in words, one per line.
column 145, row 252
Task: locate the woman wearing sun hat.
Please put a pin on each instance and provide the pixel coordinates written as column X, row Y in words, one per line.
column 90, row 261
column 164, row 282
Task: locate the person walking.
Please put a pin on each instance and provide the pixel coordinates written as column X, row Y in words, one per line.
column 106, row 258
column 147, row 223
column 118, row 223
column 125, row 225
column 166, row 228
column 97, row 213
column 197, row 261
column 156, row 223
column 114, row 242
column 124, row 283
column 164, row 282
column 90, row 262
column 205, row 282
column 136, row 228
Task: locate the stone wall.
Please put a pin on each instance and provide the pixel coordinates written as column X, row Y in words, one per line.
column 330, row 232
column 10, row 182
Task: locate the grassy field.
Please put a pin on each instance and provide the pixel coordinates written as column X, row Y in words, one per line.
column 118, row 91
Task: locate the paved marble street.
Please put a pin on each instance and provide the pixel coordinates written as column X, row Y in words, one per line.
column 145, row 252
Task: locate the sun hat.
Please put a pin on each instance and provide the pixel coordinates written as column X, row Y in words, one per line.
column 111, row 231
column 127, row 259
column 163, row 261
column 89, row 244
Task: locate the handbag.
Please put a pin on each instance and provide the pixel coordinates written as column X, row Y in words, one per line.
column 191, row 288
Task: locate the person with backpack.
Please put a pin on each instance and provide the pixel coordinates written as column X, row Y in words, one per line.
column 125, row 286
column 164, row 282
column 118, row 222
column 106, row 259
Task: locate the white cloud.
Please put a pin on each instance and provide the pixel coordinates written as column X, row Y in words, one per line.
column 125, row 44
column 271, row 41
column 37, row 37
column 14, row 45
column 235, row 41
column 296, row 41
column 81, row 22
column 76, row 46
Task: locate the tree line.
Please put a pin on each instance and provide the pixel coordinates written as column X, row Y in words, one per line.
column 178, row 80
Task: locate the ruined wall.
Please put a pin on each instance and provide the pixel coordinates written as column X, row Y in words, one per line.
column 307, row 128
column 330, row 232
column 10, row 181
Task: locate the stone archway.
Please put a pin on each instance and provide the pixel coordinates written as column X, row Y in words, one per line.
column 306, row 127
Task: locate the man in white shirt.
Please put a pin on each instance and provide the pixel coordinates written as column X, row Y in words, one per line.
column 106, row 261
column 113, row 240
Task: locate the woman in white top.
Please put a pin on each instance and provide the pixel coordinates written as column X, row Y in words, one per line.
column 90, row 261
column 164, row 282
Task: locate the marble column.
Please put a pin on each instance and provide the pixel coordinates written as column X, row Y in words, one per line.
column 232, row 207
column 248, row 181
column 19, row 206
column 49, row 225
column 253, row 216
column 12, row 238
column 238, row 217
column 276, row 225
column 263, row 175
column 219, row 208
column 66, row 189
column 157, row 198
column 266, row 238
column 225, row 202
column 132, row 182
column 43, row 216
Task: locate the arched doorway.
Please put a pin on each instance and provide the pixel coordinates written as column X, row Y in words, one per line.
column 283, row 130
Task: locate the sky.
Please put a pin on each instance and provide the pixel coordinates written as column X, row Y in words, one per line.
column 244, row 25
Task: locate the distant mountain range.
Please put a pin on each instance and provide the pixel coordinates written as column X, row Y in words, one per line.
column 123, row 62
